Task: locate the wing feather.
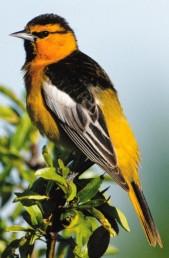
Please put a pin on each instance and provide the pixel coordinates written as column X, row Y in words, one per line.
column 83, row 126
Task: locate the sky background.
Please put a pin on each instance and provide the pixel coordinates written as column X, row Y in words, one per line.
column 130, row 39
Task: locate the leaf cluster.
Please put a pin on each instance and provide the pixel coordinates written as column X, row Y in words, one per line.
column 52, row 202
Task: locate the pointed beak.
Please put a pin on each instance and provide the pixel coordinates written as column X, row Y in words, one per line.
column 23, row 35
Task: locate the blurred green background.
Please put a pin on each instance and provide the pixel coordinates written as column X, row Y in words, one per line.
column 130, row 39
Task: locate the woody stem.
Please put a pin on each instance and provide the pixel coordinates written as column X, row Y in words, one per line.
column 51, row 243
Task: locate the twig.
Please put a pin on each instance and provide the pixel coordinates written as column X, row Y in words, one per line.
column 51, row 243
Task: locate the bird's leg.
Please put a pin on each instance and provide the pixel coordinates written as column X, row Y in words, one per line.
column 79, row 162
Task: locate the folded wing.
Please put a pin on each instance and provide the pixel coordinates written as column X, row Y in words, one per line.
column 84, row 124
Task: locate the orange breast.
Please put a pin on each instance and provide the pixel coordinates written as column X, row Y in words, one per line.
column 37, row 108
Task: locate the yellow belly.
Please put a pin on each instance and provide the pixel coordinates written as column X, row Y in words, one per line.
column 121, row 135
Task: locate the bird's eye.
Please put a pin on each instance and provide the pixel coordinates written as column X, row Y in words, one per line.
column 44, row 33
column 41, row 34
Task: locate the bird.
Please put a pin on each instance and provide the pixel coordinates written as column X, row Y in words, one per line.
column 71, row 100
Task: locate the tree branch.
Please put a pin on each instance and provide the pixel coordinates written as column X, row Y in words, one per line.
column 51, row 243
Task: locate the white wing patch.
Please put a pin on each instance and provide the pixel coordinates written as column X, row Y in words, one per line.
column 57, row 99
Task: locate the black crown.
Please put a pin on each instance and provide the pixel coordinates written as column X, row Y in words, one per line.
column 49, row 19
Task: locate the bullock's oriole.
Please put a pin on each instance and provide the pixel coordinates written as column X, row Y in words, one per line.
column 71, row 98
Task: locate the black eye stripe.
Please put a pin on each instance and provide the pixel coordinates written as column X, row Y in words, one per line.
column 59, row 32
column 43, row 34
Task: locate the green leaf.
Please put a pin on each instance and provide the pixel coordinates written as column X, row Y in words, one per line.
column 70, row 218
column 108, row 212
column 6, row 171
column 17, row 228
column 121, row 218
column 81, row 227
column 10, row 94
column 26, row 248
column 91, row 204
column 64, row 170
column 11, row 154
column 6, row 192
column 103, row 220
column 16, row 212
column 49, row 187
column 28, row 195
column 10, row 249
column 23, row 129
column 50, row 174
column 25, row 245
column 2, row 245
column 62, row 249
column 9, row 114
column 90, row 190
column 72, row 191
column 27, row 174
column 47, row 156
column 33, row 215
column 4, row 141
column 98, row 242
column 112, row 213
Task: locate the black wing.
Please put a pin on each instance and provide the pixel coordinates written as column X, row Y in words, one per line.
column 68, row 94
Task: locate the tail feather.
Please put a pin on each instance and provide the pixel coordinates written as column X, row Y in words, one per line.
column 139, row 202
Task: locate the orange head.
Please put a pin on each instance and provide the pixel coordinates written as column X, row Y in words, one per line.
column 47, row 38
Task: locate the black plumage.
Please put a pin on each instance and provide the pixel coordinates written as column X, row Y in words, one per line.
column 49, row 19
column 75, row 74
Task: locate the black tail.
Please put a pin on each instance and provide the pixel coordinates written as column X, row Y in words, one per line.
column 139, row 202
